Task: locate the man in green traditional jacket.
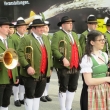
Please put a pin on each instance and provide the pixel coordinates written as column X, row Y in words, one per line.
column 35, row 64
column 18, row 89
column 66, row 57
column 45, row 97
column 107, row 44
column 92, row 25
column 7, row 76
column 107, row 35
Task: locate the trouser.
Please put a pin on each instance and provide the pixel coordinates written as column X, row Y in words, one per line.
column 33, row 91
column 68, row 80
column 34, row 88
column 5, row 94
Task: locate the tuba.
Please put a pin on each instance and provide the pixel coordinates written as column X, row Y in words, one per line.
column 29, row 54
column 62, row 47
column 9, row 58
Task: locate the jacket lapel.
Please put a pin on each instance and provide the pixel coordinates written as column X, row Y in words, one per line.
column 44, row 41
column 9, row 43
column 74, row 37
column 2, row 45
column 66, row 36
column 36, row 42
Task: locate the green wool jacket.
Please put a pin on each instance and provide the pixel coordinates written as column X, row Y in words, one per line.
column 49, row 37
column 4, row 78
column 57, row 55
column 50, row 40
column 82, row 41
column 26, row 41
column 107, row 36
column 16, row 39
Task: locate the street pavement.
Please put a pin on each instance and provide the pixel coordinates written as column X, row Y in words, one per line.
column 53, row 93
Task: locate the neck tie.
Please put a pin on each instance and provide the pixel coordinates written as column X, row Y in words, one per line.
column 70, row 37
column 9, row 71
column 41, row 41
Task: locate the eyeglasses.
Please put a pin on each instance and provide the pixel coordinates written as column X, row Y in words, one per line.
column 101, row 40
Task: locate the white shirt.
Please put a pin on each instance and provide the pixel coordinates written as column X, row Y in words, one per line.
column 89, row 30
column 20, row 34
column 86, row 63
column 2, row 39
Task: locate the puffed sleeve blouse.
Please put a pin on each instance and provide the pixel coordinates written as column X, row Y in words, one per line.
column 86, row 63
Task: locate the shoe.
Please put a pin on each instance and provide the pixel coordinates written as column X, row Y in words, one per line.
column 17, row 103
column 21, row 101
column 43, row 99
column 48, row 98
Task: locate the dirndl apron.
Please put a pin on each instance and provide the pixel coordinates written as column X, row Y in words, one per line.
column 99, row 95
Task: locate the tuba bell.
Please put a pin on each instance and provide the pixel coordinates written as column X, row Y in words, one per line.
column 9, row 58
column 62, row 47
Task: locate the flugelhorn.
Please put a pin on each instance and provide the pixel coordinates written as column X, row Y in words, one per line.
column 62, row 47
column 29, row 54
column 9, row 58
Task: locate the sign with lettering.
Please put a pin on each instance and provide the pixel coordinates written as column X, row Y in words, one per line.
column 101, row 27
column 6, row 3
column 54, row 10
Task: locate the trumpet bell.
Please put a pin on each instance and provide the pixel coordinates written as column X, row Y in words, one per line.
column 9, row 58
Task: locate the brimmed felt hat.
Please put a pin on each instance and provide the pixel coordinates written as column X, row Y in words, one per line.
column 107, row 23
column 91, row 19
column 37, row 23
column 65, row 19
column 29, row 27
column 4, row 21
column 12, row 25
column 20, row 22
column 47, row 23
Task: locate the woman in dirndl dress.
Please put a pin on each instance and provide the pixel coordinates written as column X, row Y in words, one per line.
column 95, row 93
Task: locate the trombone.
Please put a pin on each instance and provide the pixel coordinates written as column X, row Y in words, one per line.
column 9, row 58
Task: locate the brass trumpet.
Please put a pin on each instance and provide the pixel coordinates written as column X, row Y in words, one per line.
column 62, row 47
column 29, row 55
column 9, row 58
